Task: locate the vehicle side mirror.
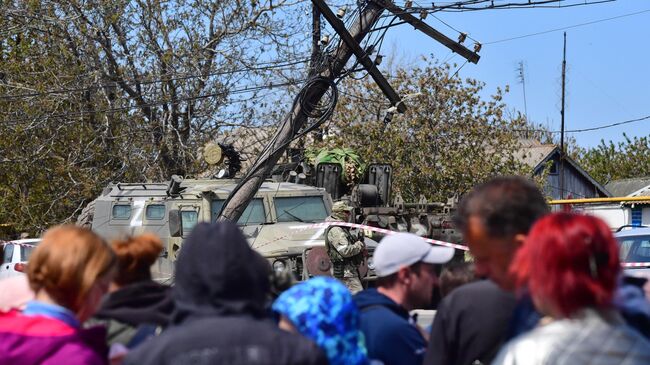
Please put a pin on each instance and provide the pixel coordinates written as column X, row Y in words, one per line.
column 175, row 223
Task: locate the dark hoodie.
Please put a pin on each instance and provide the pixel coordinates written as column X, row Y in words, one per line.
column 136, row 311
column 390, row 337
column 219, row 318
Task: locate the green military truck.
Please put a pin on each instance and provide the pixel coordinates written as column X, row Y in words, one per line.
column 277, row 222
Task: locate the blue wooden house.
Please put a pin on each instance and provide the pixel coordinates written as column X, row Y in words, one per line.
column 577, row 182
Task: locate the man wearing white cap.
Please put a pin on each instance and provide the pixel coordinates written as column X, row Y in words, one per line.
column 405, row 266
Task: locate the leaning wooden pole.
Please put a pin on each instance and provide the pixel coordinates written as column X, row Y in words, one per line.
column 296, row 118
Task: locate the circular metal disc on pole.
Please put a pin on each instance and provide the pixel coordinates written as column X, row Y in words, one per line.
column 212, row 154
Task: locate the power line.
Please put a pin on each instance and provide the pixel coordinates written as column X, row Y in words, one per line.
column 567, row 27
column 586, row 129
column 156, row 103
column 272, row 66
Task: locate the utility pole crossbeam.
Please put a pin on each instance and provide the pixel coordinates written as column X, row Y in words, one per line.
column 296, row 118
column 425, row 28
column 321, row 79
column 361, row 55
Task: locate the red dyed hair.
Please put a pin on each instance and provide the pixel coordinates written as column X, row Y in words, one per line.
column 570, row 260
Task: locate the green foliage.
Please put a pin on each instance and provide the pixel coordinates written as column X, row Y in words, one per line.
column 448, row 140
column 608, row 161
column 351, row 163
column 98, row 91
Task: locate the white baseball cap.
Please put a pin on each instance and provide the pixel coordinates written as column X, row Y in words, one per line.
column 405, row 249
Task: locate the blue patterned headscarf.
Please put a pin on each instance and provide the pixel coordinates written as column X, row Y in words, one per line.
column 322, row 310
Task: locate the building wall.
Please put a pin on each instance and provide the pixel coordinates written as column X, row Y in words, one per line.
column 576, row 185
column 615, row 215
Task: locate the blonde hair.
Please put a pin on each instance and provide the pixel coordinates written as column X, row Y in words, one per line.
column 135, row 255
column 67, row 263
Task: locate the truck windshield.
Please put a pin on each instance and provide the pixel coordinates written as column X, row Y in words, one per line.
column 300, row 209
column 253, row 214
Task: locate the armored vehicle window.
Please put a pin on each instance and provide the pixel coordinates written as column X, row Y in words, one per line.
column 253, row 214
column 155, row 211
column 189, row 218
column 122, row 211
column 300, row 209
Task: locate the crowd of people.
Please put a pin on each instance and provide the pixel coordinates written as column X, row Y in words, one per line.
column 542, row 288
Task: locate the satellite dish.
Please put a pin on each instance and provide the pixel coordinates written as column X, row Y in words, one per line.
column 212, row 154
column 221, row 174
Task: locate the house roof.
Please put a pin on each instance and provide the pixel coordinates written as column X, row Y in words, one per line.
column 535, row 154
column 639, row 186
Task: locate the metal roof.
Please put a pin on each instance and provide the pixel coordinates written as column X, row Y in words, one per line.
column 198, row 186
column 639, row 186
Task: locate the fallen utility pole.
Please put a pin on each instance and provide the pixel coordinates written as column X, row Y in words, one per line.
column 362, row 56
column 295, row 120
column 321, row 78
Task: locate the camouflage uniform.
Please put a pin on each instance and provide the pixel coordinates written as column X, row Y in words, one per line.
column 345, row 252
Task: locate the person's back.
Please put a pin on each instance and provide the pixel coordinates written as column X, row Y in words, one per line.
column 69, row 272
column 570, row 266
column 404, row 264
column 470, row 325
column 136, row 307
column 390, row 337
column 48, row 341
column 220, row 318
column 322, row 310
column 592, row 338
column 227, row 340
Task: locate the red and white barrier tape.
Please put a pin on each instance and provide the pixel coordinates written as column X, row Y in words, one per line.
column 635, row 264
column 364, row 227
column 378, row 230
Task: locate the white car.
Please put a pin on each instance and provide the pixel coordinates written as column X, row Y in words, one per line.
column 15, row 255
column 635, row 251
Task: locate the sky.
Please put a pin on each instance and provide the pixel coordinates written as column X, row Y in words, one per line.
column 608, row 76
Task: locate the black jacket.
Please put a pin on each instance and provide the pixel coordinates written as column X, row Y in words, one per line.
column 219, row 295
column 135, row 312
column 471, row 324
column 390, row 337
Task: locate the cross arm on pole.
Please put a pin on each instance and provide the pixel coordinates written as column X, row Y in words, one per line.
column 361, row 55
column 425, row 28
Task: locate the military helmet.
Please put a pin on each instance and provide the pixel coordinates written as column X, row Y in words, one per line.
column 341, row 207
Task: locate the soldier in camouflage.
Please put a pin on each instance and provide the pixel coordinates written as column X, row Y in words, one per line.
column 345, row 251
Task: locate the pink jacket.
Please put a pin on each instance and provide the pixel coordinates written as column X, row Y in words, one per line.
column 32, row 340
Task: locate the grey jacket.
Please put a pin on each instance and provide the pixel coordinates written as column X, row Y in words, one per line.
column 593, row 337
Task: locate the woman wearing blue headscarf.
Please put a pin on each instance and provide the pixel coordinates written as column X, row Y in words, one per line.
column 322, row 310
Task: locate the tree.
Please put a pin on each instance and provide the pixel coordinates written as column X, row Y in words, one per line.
column 99, row 91
column 448, row 140
column 608, row 161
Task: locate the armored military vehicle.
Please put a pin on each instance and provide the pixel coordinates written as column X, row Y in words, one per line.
column 278, row 222
column 374, row 202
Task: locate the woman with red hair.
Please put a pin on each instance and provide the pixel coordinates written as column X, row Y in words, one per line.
column 69, row 273
column 570, row 266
